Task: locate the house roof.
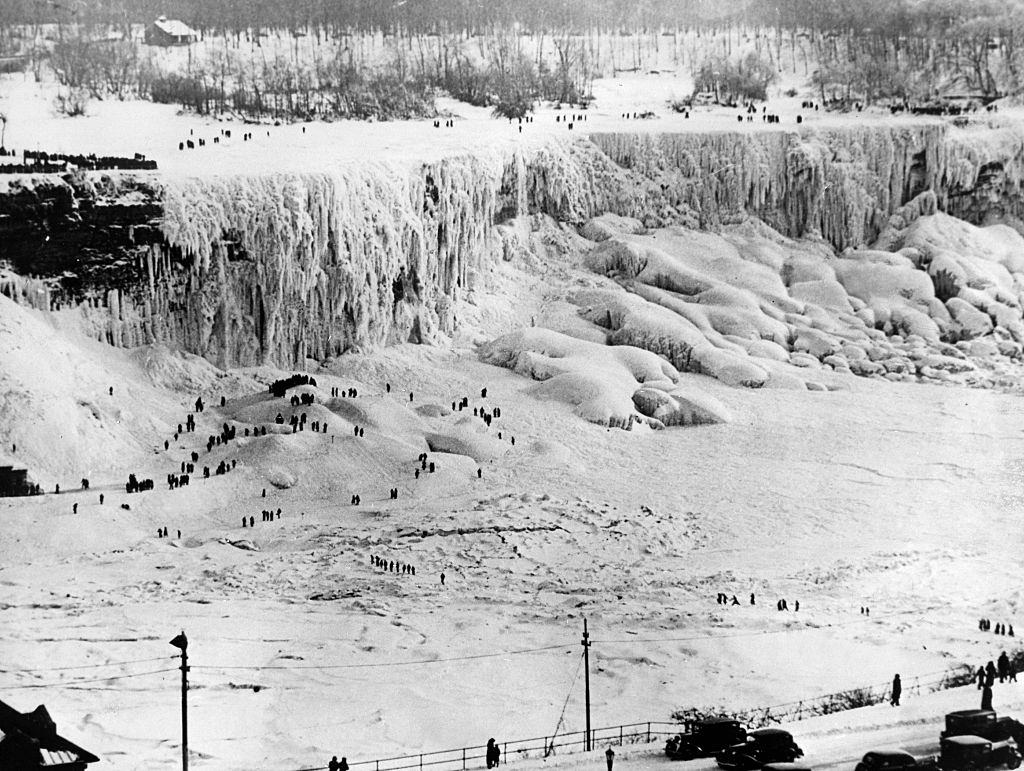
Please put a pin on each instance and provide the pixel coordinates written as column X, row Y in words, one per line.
column 38, row 727
column 173, row 27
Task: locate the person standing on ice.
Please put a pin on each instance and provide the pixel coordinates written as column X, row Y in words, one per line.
column 609, row 756
column 897, row 690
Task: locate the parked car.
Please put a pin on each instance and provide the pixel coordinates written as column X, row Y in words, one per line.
column 704, row 738
column 972, row 753
column 894, row 760
column 766, row 745
column 984, row 723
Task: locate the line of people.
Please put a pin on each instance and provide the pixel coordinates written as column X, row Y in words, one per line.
column 723, row 599
column 392, row 566
column 985, row 625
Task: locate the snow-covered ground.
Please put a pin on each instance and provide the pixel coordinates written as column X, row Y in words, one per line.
column 901, row 497
column 113, row 127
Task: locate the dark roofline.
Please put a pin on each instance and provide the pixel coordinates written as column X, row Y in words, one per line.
column 12, row 721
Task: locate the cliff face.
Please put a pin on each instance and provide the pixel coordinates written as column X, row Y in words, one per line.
column 254, row 268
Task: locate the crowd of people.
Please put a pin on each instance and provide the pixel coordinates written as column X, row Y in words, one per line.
column 1003, row 669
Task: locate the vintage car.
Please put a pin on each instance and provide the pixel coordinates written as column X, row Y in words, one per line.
column 984, row 723
column 972, row 753
column 894, row 760
column 765, row 745
column 704, row 738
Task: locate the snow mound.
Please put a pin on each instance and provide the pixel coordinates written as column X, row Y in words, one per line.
column 599, row 381
column 603, row 227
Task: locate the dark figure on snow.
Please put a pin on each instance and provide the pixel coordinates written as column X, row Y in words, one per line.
column 244, row 523
column 796, row 606
column 609, row 756
column 252, row 521
column 343, row 765
column 479, row 473
column 1004, row 666
column 751, row 598
column 990, row 674
column 101, row 499
column 734, row 600
column 897, row 689
column 333, row 765
column 981, row 677
column 74, row 508
column 492, row 753
column 442, row 579
column 986, row 698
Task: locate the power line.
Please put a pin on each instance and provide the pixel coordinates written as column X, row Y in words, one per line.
column 84, row 666
column 72, row 683
column 415, row 662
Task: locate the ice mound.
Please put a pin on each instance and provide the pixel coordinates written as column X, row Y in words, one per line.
column 681, row 407
column 470, row 438
column 599, row 381
column 604, row 226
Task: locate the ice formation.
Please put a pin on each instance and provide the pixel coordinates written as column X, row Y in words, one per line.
column 614, row 385
column 759, row 265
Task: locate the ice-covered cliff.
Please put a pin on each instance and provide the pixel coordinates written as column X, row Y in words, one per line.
column 277, row 267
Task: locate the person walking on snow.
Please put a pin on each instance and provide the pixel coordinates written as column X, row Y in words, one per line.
column 609, row 755
column 897, row 690
column 986, row 698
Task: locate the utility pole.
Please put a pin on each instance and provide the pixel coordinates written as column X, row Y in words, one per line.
column 586, row 681
column 181, row 642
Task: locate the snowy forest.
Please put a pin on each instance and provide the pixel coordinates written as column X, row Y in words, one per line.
column 313, row 59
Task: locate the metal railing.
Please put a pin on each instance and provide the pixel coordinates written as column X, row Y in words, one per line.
column 467, row 758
